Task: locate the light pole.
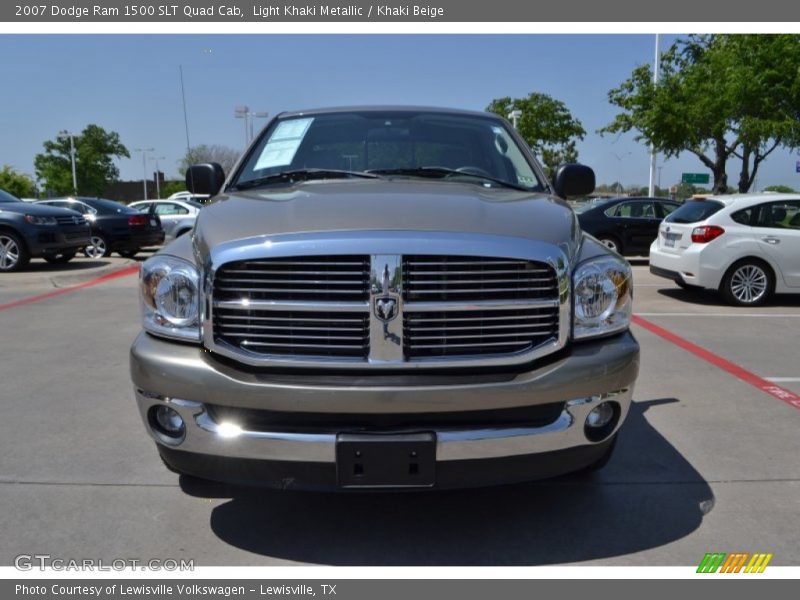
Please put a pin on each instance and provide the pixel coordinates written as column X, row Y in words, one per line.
column 158, row 177
column 515, row 115
column 144, row 152
column 244, row 112
column 64, row 135
column 620, row 159
column 651, row 188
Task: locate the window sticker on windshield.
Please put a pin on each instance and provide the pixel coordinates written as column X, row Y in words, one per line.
column 283, row 143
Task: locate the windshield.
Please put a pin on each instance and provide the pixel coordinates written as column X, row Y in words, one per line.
column 693, row 211
column 108, row 206
column 397, row 144
column 6, row 197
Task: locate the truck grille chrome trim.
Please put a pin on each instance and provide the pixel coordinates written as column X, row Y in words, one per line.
column 387, row 310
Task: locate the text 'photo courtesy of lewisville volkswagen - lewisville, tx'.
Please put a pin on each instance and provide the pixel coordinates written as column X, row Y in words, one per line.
column 441, row 300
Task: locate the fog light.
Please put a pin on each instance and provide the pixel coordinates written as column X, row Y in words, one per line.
column 169, row 421
column 600, row 416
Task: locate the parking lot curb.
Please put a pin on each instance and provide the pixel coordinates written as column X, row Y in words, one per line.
column 72, row 279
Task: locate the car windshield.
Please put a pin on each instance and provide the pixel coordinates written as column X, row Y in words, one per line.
column 108, row 206
column 582, row 207
column 693, row 211
column 393, row 143
column 6, row 197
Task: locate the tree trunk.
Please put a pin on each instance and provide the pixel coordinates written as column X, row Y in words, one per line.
column 745, row 181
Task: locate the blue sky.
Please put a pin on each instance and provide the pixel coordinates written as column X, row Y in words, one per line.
column 130, row 84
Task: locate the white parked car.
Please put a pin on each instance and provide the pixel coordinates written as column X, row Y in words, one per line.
column 746, row 246
column 177, row 216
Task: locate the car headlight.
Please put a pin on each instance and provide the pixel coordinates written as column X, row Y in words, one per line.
column 36, row 220
column 603, row 291
column 169, row 290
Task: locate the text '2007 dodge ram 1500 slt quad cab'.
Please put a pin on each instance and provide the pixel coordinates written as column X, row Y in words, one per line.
column 385, row 298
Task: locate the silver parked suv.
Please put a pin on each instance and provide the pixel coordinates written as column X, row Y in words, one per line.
column 385, row 298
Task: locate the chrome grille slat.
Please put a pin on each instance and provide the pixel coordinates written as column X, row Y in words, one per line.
column 484, row 290
column 280, row 291
column 447, row 328
column 315, row 347
column 477, row 345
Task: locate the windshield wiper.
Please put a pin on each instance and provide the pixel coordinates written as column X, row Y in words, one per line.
column 444, row 172
column 302, row 175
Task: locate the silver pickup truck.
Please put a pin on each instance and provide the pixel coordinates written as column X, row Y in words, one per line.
column 385, row 297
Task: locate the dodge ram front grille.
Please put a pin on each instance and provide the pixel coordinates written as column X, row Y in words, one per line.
column 387, row 311
column 477, row 332
column 312, row 278
column 461, row 278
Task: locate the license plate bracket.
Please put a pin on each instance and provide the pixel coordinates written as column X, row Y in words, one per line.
column 396, row 460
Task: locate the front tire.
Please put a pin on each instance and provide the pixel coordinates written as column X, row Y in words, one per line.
column 13, row 253
column 748, row 282
column 98, row 248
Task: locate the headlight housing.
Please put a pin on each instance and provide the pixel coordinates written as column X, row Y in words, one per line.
column 603, row 292
column 36, row 220
column 169, row 289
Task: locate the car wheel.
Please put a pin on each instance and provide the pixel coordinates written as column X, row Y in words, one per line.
column 58, row 259
column 611, row 243
column 13, row 253
column 747, row 283
column 128, row 253
column 98, row 248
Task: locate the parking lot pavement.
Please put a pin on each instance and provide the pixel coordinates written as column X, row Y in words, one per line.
column 706, row 462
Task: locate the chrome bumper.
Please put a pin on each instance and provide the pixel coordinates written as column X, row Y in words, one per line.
column 206, row 436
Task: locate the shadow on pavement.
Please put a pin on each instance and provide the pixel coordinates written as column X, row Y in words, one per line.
column 711, row 298
column 647, row 496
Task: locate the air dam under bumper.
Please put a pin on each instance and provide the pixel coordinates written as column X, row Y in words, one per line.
column 187, row 378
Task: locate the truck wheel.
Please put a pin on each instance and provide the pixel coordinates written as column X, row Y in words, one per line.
column 58, row 259
column 747, row 283
column 13, row 253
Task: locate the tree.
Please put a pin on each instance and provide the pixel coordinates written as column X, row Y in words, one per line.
column 95, row 149
column 16, row 184
column 719, row 96
column 546, row 125
column 171, row 187
column 781, row 189
column 205, row 153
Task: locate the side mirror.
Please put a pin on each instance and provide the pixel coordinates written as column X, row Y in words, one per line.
column 574, row 180
column 206, row 178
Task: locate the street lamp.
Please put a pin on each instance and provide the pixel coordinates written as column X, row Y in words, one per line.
column 515, row 115
column 620, row 158
column 144, row 152
column 158, row 176
column 63, row 135
column 244, row 112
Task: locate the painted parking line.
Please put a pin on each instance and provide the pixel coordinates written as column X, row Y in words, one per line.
column 762, row 384
column 783, row 379
column 124, row 272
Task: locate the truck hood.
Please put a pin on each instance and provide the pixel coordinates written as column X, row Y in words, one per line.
column 381, row 205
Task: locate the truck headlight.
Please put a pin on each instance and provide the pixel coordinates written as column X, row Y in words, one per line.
column 603, row 297
column 169, row 291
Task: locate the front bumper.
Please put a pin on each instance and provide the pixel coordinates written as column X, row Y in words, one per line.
column 52, row 240
column 187, row 378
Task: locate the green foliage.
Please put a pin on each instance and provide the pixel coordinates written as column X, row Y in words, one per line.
column 95, row 149
column 171, row 187
column 546, row 125
column 719, row 96
column 781, row 189
column 15, row 183
column 206, row 153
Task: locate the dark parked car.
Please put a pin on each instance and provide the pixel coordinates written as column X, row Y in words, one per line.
column 115, row 227
column 27, row 231
column 626, row 225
